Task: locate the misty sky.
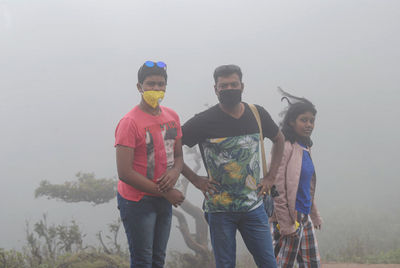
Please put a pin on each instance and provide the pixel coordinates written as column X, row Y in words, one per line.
column 68, row 74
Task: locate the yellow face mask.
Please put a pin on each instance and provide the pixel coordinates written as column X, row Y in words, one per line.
column 153, row 97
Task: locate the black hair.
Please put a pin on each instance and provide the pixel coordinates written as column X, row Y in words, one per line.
column 226, row 70
column 145, row 71
column 296, row 107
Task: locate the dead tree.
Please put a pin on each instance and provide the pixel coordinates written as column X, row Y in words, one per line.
column 197, row 241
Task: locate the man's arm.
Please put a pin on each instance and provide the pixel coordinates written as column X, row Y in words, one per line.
column 126, row 173
column 276, row 154
column 276, row 157
column 168, row 180
column 202, row 183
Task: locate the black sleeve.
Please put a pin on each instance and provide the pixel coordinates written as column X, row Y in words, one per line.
column 191, row 132
column 270, row 129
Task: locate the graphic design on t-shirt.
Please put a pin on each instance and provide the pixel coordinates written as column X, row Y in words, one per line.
column 150, row 154
column 168, row 134
column 234, row 162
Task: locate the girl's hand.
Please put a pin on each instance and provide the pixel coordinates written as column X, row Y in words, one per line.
column 318, row 227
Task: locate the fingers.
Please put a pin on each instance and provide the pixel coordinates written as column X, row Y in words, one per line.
column 180, row 201
column 207, row 186
column 161, row 179
column 261, row 185
column 166, row 186
column 166, row 183
column 212, row 188
column 205, row 194
column 262, row 191
column 263, row 188
column 175, row 197
column 213, row 182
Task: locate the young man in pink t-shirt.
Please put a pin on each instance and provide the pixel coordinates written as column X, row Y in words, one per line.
column 149, row 161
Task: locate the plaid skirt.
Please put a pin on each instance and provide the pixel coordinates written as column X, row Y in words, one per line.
column 302, row 248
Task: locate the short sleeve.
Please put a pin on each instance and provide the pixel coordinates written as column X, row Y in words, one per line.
column 191, row 132
column 179, row 128
column 270, row 129
column 126, row 133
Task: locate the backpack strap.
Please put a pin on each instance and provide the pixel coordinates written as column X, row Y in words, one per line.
column 257, row 116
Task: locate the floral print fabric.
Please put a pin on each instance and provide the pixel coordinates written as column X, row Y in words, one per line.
column 234, row 162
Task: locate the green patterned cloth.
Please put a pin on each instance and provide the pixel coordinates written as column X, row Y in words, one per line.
column 230, row 149
column 234, row 162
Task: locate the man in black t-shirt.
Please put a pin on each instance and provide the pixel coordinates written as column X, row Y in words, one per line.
column 229, row 140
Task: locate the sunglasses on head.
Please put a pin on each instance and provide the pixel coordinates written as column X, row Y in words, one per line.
column 152, row 64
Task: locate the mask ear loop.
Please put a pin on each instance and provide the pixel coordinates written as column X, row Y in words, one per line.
column 141, row 91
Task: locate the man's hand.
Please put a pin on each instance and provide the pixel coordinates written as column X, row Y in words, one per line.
column 167, row 180
column 206, row 185
column 265, row 185
column 174, row 196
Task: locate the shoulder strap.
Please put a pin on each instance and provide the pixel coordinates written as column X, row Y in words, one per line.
column 257, row 116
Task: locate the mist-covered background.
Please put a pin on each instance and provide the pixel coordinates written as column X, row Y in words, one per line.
column 68, row 74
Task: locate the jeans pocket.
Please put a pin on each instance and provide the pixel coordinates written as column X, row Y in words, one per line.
column 123, row 207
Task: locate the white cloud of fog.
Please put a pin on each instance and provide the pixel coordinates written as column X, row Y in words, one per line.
column 68, row 74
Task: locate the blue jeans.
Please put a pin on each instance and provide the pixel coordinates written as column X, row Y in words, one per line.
column 147, row 226
column 254, row 228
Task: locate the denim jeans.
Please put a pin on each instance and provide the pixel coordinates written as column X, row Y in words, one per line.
column 147, row 226
column 254, row 228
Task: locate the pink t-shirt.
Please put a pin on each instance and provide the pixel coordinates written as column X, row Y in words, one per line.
column 153, row 139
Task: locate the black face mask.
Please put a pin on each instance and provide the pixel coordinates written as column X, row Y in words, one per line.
column 230, row 97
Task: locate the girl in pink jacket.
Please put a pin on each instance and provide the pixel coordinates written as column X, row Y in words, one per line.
column 296, row 215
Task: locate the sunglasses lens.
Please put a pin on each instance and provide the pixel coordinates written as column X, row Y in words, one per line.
column 149, row 64
column 161, row 64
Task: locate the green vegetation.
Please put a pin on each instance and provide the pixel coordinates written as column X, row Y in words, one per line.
column 61, row 246
column 392, row 256
column 87, row 189
column 83, row 259
column 12, row 259
column 369, row 235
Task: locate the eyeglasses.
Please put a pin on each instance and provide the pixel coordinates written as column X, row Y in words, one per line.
column 152, row 64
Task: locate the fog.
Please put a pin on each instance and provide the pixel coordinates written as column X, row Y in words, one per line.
column 68, row 74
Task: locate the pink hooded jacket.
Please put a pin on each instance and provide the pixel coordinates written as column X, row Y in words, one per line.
column 287, row 182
